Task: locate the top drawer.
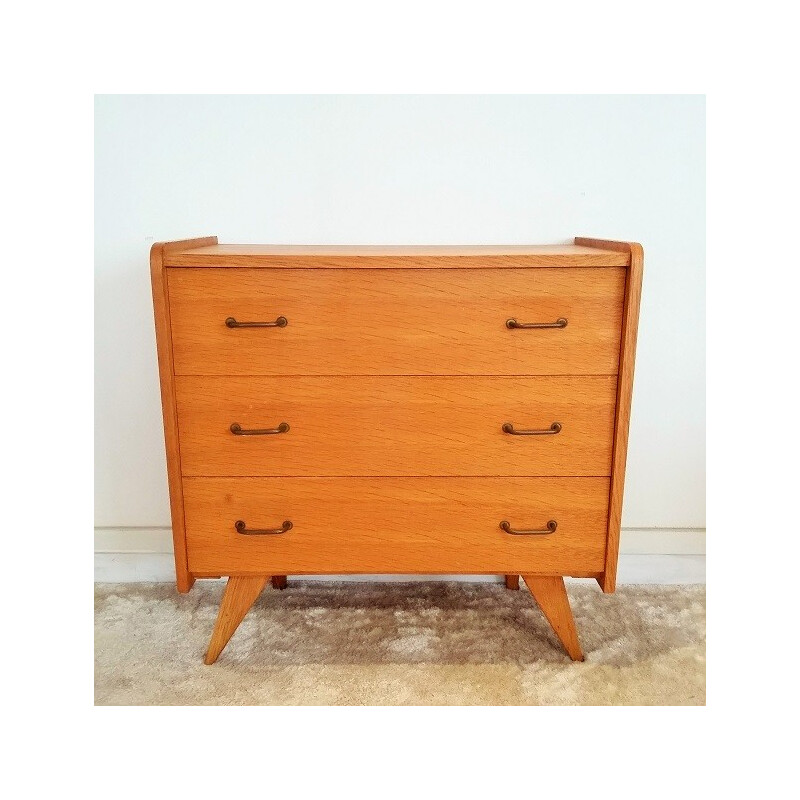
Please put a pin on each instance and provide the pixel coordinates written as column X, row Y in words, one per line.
column 396, row 322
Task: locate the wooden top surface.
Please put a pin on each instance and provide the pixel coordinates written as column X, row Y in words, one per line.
column 395, row 257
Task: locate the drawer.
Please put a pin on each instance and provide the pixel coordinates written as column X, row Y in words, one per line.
column 395, row 525
column 395, row 426
column 396, row 322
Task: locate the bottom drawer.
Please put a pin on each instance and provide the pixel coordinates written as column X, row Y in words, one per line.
column 395, row 525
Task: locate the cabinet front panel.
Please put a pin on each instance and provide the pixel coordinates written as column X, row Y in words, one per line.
column 410, row 426
column 395, row 525
column 396, row 322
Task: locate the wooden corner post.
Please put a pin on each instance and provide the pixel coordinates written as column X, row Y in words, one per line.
column 630, row 325
column 158, row 276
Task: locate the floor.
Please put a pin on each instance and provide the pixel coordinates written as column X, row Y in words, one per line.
column 447, row 643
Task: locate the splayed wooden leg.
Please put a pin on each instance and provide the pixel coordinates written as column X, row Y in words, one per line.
column 512, row 581
column 240, row 594
column 551, row 595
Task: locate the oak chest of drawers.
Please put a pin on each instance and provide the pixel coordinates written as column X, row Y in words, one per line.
column 378, row 410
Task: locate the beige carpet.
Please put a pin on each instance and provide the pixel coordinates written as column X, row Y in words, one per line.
column 399, row 644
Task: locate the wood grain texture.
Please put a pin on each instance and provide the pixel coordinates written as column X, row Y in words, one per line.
column 396, row 322
column 395, row 425
column 165, row 372
column 396, row 525
column 630, row 326
column 609, row 245
column 356, row 313
column 551, row 595
column 394, row 257
column 240, row 594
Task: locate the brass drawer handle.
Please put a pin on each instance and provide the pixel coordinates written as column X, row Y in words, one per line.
column 238, row 430
column 553, row 429
column 559, row 323
column 241, row 527
column 551, row 527
column 281, row 322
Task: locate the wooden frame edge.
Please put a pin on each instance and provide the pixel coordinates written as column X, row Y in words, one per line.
column 630, row 326
column 158, row 278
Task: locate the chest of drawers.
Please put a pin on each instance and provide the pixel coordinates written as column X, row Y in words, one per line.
column 379, row 410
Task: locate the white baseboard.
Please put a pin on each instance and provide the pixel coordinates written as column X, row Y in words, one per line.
column 647, row 555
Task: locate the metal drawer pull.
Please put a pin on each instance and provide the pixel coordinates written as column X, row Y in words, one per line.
column 551, row 527
column 238, row 430
column 281, row 322
column 553, row 429
column 559, row 323
column 241, row 527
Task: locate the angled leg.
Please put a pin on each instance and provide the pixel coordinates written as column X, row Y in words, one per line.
column 278, row 581
column 512, row 581
column 551, row 595
column 240, row 594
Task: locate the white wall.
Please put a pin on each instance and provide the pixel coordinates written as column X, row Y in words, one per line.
column 404, row 170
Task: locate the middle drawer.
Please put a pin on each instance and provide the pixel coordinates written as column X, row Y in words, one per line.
column 396, row 426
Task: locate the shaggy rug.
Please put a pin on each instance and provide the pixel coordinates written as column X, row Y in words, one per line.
column 399, row 644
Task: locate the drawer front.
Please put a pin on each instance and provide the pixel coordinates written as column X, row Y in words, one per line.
column 395, row 425
column 396, row 322
column 395, row 525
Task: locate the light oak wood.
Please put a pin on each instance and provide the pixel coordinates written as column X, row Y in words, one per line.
column 166, row 378
column 395, row 373
column 551, row 595
column 396, row 525
column 396, row 322
column 609, row 245
column 394, row 257
column 240, row 594
column 395, row 425
column 630, row 326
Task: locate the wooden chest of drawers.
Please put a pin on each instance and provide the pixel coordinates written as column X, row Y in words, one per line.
column 448, row 410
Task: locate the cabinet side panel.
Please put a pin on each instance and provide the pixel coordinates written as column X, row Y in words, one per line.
column 630, row 325
column 166, row 378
